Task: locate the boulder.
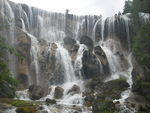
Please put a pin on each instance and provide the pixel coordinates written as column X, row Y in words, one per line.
column 74, row 90
column 58, row 92
column 103, row 106
column 6, row 90
column 112, row 89
column 36, row 92
column 50, row 101
column 91, row 65
column 69, row 41
column 102, row 57
column 87, row 41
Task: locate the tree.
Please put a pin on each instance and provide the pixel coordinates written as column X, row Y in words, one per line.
column 127, row 7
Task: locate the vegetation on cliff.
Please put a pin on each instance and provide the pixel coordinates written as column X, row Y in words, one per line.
column 140, row 44
column 7, row 82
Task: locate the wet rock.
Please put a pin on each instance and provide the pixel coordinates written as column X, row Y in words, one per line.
column 75, row 112
column 69, row 41
column 100, row 106
column 102, row 57
column 58, row 92
column 42, row 111
column 4, row 107
column 26, row 109
column 36, row 92
column 23, row 48
column 89, row 100
column 50, row 101
column 112, row 89
column 6, row 90
column 74, row 90
column 87, row 41
column 91, row 65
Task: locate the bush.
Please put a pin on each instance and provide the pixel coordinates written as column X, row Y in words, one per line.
column 141, row 45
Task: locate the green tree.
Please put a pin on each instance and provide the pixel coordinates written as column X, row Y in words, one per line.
column 127, row 7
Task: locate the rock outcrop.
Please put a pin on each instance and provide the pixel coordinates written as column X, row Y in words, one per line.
column 36, row 92
column 58, row 94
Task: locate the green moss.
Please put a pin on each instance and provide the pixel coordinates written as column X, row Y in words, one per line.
column 105, row 106
column 26, row 109
column 17, row 103
column 146, row 83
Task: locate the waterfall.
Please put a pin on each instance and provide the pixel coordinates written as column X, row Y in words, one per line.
column 63, row 55
column 44, row 28
column 78, row 61
column 34, row 51
column 9, row 26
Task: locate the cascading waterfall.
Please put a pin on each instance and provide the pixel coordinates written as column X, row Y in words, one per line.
column 78, row 61
column 34, row 57
column 111, row 47
column 53, row 27
column 8, row 15
column 63, row 55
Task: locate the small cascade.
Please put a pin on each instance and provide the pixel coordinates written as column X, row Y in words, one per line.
column 9, row 31
column 110, row 47
column 127, row 93
column 78, row 61
column 126, row 22
column 63, row 55
column 34, row 58
column 94, row 31
column 23, row 25
column 145, row 17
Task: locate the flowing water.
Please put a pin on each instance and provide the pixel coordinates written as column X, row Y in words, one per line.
column 52, row 28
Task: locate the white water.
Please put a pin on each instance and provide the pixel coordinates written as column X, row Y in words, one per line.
column 127, row 93
column 111, row 47
column 78, row 62
column 63, row 56
column 12, row 110
column 34, row 57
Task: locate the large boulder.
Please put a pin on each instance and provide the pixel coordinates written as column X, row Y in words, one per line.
column 87, row 41
column 36, row 92
column 112, row 89
column 69, row 41
column 91, row 65
column 102, row 57
column 74, row 90
column 58, row 92
column 6, row 90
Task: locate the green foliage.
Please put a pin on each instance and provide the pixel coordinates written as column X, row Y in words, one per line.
column 141, row 45
column 20, row 103
column 127, row 7
column 4, row 71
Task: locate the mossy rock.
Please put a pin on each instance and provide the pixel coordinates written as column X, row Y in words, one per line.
column 22, row 106
column 104, row 106
column 112, row 89
column 27, row 109
column 18, row 103
column 6, row 90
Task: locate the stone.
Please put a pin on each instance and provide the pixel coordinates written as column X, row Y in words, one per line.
column 58, row 94
column 69, row 41
column 87, row 41
column 50, row 101
column 91, row 65
column 6, row 90
column 100, row 106
column 74, row 90
column 36, row 92
column 102, row 57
